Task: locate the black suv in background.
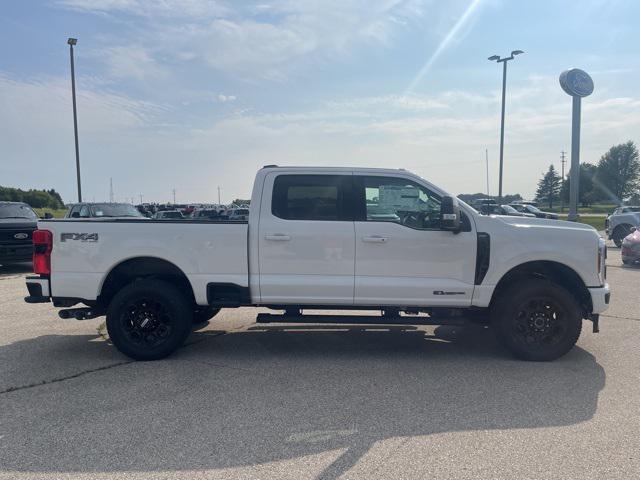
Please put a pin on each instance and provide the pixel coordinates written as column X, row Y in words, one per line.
column 527, row 208
column 17, row 223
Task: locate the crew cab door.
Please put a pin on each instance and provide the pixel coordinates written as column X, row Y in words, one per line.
column 403, row 258
column 306, row 239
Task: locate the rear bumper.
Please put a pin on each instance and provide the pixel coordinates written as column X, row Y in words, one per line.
column 600, row 297
column 38, row 288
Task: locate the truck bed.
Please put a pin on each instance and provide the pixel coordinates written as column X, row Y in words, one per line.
column 206, row 251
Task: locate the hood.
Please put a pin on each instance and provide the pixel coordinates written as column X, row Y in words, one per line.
column 544, row 222
column 633, row 237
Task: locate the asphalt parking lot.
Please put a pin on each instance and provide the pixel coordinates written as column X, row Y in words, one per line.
column 243, row 400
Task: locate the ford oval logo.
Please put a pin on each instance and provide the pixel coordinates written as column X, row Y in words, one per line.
column 21, row 236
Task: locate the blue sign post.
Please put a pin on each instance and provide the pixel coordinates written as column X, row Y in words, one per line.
column 578, row 84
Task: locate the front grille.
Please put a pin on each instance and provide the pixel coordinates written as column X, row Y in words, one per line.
column 9, row 235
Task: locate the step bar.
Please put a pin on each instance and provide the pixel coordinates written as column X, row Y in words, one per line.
column 361, row 319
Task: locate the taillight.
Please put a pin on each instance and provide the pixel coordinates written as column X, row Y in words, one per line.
column 42, row 246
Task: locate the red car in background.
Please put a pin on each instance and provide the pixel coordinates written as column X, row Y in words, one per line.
column 631, row 247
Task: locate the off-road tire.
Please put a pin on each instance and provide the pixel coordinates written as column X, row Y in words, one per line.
column 537, row 320
column 149, row 319
column 619, row 233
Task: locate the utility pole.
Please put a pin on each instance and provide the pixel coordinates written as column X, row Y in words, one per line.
column 174, row 196
column 562, row 161
column 111, row 190
column 504, row 89
column 219, row 202
column 140, row 199
column 486, row 156
column 71, row 42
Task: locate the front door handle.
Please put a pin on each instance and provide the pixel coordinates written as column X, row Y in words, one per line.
column 375, row 239
column 278, row 237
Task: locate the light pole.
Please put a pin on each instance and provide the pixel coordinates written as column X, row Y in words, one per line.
column 504, row 88
column 72, row 42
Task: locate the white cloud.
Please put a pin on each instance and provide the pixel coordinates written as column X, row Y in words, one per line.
column 253, row 40
column 132, row 61
column 441, row 137
column 225, row 98
column 149, row 8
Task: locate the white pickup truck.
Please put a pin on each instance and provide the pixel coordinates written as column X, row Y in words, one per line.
column 378, row 240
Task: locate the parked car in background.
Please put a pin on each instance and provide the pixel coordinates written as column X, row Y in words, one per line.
column 503, row 210
column 631, row 247
column 527, row 208
column 208, row 214
column 481, row 204
column 525, row 202
column 618, row 224
column 17, row 223
column 238, row 214
column 103, row 210
column 168, row 215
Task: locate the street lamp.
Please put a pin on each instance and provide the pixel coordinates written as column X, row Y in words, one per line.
column 504, row 61
column 71, row 42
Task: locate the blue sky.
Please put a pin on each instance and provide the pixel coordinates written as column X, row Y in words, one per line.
column 195, row 94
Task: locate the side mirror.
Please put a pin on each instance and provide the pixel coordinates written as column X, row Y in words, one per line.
column 47, row 216
column 450, row 214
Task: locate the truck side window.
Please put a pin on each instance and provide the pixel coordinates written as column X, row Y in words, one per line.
column 393, row 199
column 311, row 197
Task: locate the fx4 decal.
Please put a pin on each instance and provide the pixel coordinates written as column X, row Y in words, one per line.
column 83, row 237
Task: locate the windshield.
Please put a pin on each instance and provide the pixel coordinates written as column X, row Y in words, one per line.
column 533, row 209
column 17, row 210
column 116, row 210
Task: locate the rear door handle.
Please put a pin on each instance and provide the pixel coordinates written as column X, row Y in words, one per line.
column 278, row 237
column 375, row 239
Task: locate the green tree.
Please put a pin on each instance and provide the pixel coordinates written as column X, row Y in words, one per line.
column 618, row 174
column 35, row 198
column 588, row 194
column 549, row 187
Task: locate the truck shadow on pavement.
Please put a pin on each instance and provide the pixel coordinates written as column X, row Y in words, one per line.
column 274, row 393
column 15, row 269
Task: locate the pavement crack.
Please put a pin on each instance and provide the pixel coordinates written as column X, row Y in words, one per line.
column 62, row 379
column 620, row 317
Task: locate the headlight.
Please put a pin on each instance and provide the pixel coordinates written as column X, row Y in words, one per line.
column 602, row 261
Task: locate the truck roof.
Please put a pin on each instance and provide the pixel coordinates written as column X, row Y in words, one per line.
column 339, row 169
